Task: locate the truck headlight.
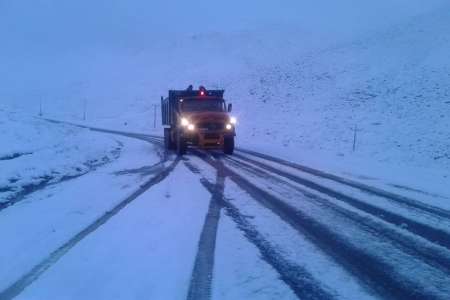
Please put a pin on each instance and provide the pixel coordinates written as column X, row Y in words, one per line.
column 191, row 127
column 228, row 126
column 233, row 120
column 184, row 122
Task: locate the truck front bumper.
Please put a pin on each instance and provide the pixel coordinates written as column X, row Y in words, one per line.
column 207, row 139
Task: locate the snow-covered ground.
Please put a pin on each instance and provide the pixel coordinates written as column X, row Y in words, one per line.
column 36, row 153
column 304, row 83
column 46, row 218
column 142, row 253
column 358, row 89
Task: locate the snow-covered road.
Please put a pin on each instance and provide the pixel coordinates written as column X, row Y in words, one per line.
column 210, row 226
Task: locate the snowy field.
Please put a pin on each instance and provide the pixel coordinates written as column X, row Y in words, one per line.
column 304, row 84
column 36, row 153
column 339, row 188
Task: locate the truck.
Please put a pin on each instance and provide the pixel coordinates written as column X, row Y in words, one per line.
column 197, row 118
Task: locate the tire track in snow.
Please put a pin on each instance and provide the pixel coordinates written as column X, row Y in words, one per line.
column 48, row 181
column 139, row 136
column 297, row 278
column 391, row 196
column 201, row 279
column 430, row 254
column 399, row 199
column 433, row 235
column 375, row 275
column 365, row 267
column 16, row 288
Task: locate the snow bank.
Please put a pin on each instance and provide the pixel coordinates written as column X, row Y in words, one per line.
column 36, row 153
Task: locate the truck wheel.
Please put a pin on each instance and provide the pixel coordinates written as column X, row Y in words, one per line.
column 167, row 138
column 181, row 145
column 168, row 142
column 228, row 145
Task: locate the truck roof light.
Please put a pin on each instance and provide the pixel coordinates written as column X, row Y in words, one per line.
column 202, row 90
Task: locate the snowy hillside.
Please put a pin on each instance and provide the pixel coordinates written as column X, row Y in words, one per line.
column 301, row 75
column 393, row 86
column 337, row 189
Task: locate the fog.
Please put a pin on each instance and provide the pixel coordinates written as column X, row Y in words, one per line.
column 54, row 24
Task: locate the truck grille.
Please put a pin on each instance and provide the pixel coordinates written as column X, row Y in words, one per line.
column 211, row 136
column 211, row 126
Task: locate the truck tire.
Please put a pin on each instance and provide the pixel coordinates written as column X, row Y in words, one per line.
column 167, row 138
column 228, row 145
column 181, row 145
column 168, row 141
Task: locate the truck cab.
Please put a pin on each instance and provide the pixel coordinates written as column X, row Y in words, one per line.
column 197, row 118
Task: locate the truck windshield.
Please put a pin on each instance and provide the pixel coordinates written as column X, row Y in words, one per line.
column 203, row 105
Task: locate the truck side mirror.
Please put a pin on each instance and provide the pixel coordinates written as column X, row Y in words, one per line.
column 230, row 106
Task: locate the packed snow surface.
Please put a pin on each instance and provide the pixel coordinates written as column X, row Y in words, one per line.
column 358, row 89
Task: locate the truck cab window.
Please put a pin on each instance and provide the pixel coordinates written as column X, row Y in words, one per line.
column 202, row 105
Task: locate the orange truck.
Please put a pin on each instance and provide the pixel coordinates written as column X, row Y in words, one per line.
column 197, row 118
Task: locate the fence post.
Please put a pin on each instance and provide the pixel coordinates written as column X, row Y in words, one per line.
column 84, row 109
column 40, row 107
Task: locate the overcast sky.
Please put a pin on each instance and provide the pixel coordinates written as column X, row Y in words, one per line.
column 81, row 21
